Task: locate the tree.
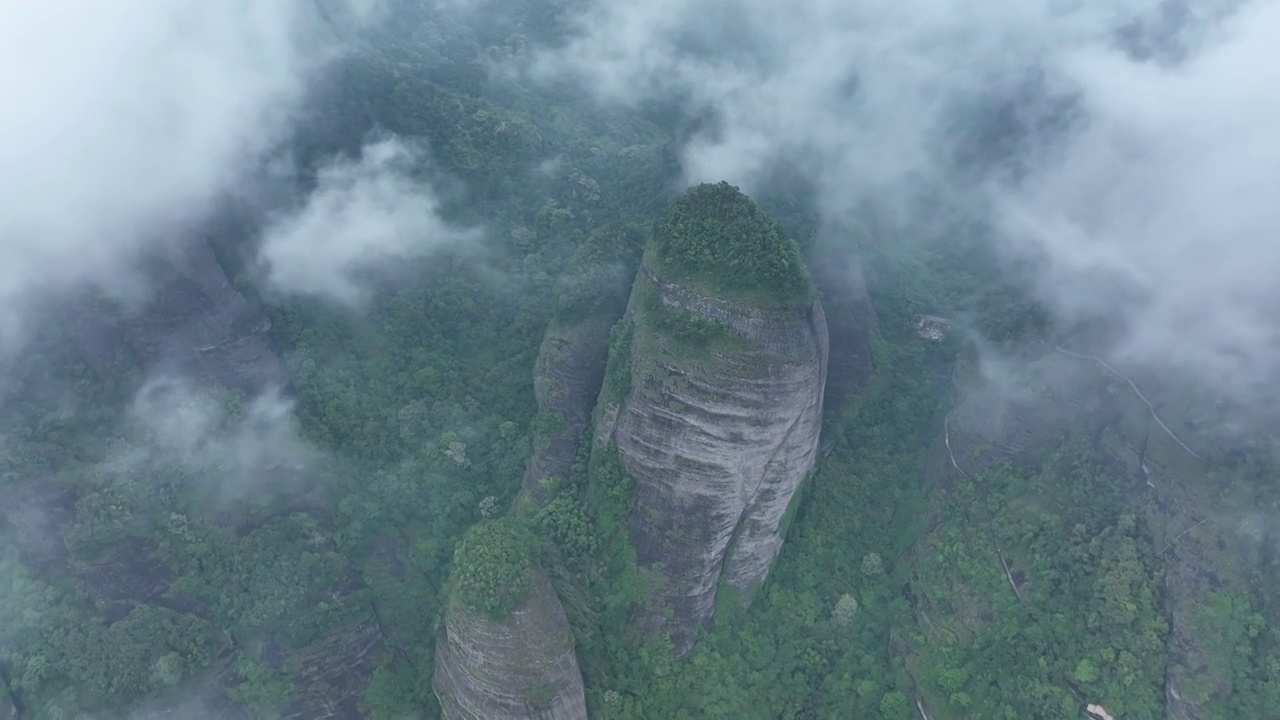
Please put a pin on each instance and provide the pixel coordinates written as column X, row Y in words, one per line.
column 845, row 610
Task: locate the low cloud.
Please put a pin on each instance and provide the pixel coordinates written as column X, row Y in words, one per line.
column 364, row 213
column 125, row 120
column 1129, row 147
column 239, row 441
column 1161, row 210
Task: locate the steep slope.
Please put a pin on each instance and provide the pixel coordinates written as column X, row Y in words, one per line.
column 851, row 322
column 522, row 664
column 102, row 534
column 507, row 650
column 194, row 323
column 719, row 420
column 1072, row 458
column 571, row 361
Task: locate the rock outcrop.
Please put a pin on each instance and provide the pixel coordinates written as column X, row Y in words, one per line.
column 566, row 380
column 332, row 675
column 851, row 322
column 719, row 426
column 571, row 362
column 519, row 666
column 194, row 323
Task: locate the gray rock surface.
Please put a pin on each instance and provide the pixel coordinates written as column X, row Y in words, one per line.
column 718, row 442
column 194, row 323
column 332, row 675
column 522, row 666
column 566, row 381
column 851, row 322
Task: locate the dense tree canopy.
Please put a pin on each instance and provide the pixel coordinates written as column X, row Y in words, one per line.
column 718, row 238
column 491, row 567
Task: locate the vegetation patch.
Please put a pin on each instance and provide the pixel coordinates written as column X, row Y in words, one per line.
column 718, row 239
column 492, row 567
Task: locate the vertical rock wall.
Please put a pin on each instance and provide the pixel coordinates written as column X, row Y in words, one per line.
column 718, row 441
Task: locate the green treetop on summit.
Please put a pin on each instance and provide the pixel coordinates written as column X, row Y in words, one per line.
column 716, row 237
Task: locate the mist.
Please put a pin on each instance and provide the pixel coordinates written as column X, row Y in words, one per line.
column 245, row 444
column 364, row 212
column 125, row 124
column 1127, row 149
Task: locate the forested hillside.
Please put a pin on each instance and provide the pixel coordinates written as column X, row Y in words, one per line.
column 633, row 447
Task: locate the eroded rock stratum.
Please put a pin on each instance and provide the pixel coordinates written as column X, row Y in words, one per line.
column 718, row 422
column 507, row 650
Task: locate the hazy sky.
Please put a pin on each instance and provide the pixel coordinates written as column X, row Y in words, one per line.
column 1156, row 207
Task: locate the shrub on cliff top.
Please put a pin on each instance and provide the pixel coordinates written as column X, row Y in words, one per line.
column 491, row 567
column 717, row 237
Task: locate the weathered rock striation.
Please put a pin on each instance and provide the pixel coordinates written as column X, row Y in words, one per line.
column 720, row 424
column 566, row 380
column 519, row 666
column 194, row 324
column 332, row 676
column 571, row 362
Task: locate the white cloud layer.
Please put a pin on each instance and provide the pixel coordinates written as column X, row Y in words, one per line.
column 243, row 446
column 124, row 119
column 125, row 122
column 1154, row 208
column 363, row 213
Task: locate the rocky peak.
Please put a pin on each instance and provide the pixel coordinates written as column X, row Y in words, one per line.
column 507, row 650
column 720, row 424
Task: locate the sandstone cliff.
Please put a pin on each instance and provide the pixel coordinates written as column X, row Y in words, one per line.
column 851, row 321
column 566, row 379
column 507, row 650
column 571, row 361
column 194, row 323
column 719, row 423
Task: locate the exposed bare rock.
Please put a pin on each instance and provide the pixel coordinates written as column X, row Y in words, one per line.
column 520, row 666
column 566, row 380
column 194, row 323
column 717, row 438
column 128, row 576
column 332, row 675
column 851, row 322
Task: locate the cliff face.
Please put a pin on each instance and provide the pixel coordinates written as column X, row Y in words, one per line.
column 851, row 321
column 194, row 323
column 566, row 380
column 720, row 423
column 520, row 666
column 332, row 676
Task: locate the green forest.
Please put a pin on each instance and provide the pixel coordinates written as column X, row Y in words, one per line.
column 930, row 563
